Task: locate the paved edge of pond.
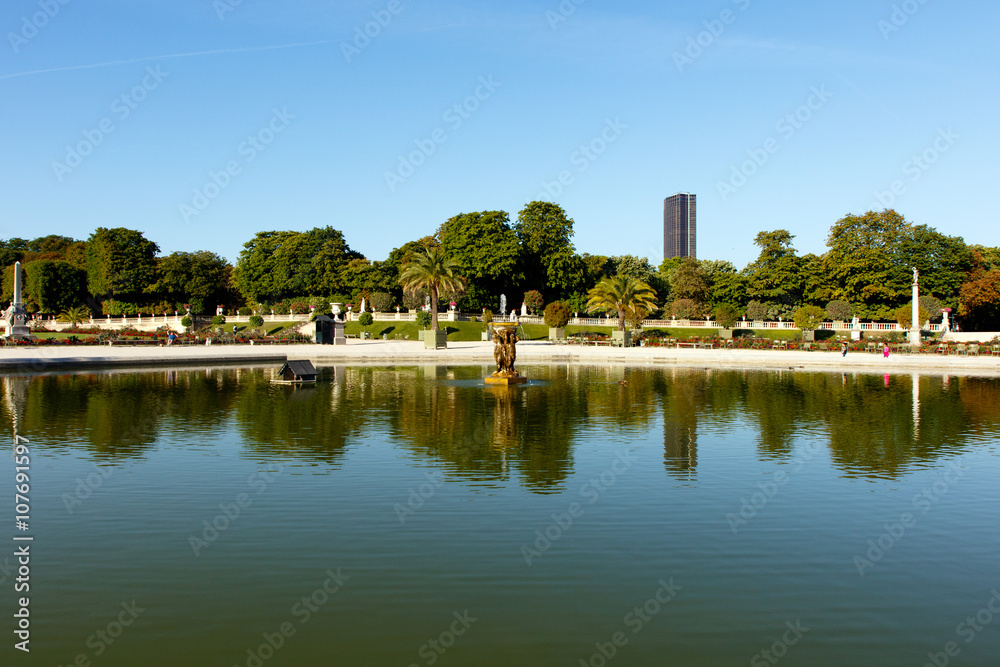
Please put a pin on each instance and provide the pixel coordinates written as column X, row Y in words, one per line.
column 40, row 359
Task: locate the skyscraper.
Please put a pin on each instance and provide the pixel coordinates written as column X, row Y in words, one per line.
column 679, row 226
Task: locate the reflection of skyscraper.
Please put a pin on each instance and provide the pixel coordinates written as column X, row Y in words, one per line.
column 679, row 226
column 680, row 448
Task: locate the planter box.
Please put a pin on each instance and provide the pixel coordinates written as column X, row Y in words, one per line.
column 808, row 335
column 621, row 338
column 557, row 333
column 434, row 340
column 420, row 333
column 726, row 334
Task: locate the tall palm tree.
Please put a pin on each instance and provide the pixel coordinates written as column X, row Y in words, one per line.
column 74, row 315
column 432, row 271
column 625, row 295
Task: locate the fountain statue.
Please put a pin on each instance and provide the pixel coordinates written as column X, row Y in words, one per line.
column 505, row 353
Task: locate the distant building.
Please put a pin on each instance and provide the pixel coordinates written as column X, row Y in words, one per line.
column 679, row 226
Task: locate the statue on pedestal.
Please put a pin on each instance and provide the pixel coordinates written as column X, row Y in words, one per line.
column 15, row 318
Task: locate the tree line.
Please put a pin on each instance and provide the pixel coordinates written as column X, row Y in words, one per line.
column 865, row 272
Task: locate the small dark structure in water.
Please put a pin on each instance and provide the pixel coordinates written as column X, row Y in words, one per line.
column 297, row 371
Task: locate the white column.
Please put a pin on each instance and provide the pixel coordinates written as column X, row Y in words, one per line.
column 915, row 324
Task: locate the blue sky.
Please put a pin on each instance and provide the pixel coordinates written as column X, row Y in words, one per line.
column 202, row 122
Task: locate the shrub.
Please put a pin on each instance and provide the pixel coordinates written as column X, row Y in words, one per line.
column 413, row 300
column 281, row 308
column 685, row 309
column 365, row 320
column 423, row 319
column 557, row 314
column 931, row 304
column 839, row 311
column 256, row 321
column 726, row 315
column 382, row 302
column 186, row 321
column 488, row 316
column 756, row 311
column 534, row 301
column 300, row 308
column 904, row 316
column 244, row 311
column 808, row 318
column 218, row 320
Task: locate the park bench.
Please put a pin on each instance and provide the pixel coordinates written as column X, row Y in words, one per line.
column 133, row 343
column 995, row 350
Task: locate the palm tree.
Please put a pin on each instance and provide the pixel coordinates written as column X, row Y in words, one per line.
column 74, row 315
column 432, row 271
column 627, row 296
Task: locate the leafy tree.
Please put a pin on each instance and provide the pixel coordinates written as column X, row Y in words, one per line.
column 686, row 309
column 218, row 320
column 623, row 295
column 433, row 271
column 726, row 315
column 423, row 319
column 865, row 261
column 55, row 285
column 690, row 281
column 256, row 321
column 534, row 301
column 943, row 262
column 776, row 275
column 757, row 311
column 186, row 321
column 12, row 251
column 808, row 318
column 545, row 234
column 904, row 316
column 365, row 320
column 201, row 279
column 382, row 302
column 839, row 311
column 557, row 315
column 121, row 264
column 931, row 304
column 979, row 297
column 486, row 252
column 728, row 288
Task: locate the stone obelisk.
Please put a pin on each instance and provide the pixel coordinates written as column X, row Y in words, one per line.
column 15, row 318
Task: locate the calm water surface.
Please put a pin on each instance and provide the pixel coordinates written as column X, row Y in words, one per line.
column 411, row 516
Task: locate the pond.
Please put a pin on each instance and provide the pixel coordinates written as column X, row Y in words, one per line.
column 409, row 515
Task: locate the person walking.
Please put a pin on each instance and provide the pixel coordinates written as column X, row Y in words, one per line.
column 885, row 350
column 843, row 349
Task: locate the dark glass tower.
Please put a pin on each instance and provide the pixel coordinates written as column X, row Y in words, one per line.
column 679, row 226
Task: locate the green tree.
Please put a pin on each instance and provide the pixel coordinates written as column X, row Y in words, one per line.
column 121, row 264
column 979, row 297
column 808, row 318
column 433, row 271
column 726, row 315
column 55, row 285
column 943, row 262
column 624, row 295
column 776, row 275
column 201, row 279
column 487, row 253
column 549, row 259
column 865, row 262
column 840, row 311
column 690, row 281
column 74, row 315
column 556, row 314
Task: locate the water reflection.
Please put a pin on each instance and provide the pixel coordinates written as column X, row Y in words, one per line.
column 871, row 427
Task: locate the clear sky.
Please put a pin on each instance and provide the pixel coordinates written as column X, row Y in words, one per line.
column 202, row 122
